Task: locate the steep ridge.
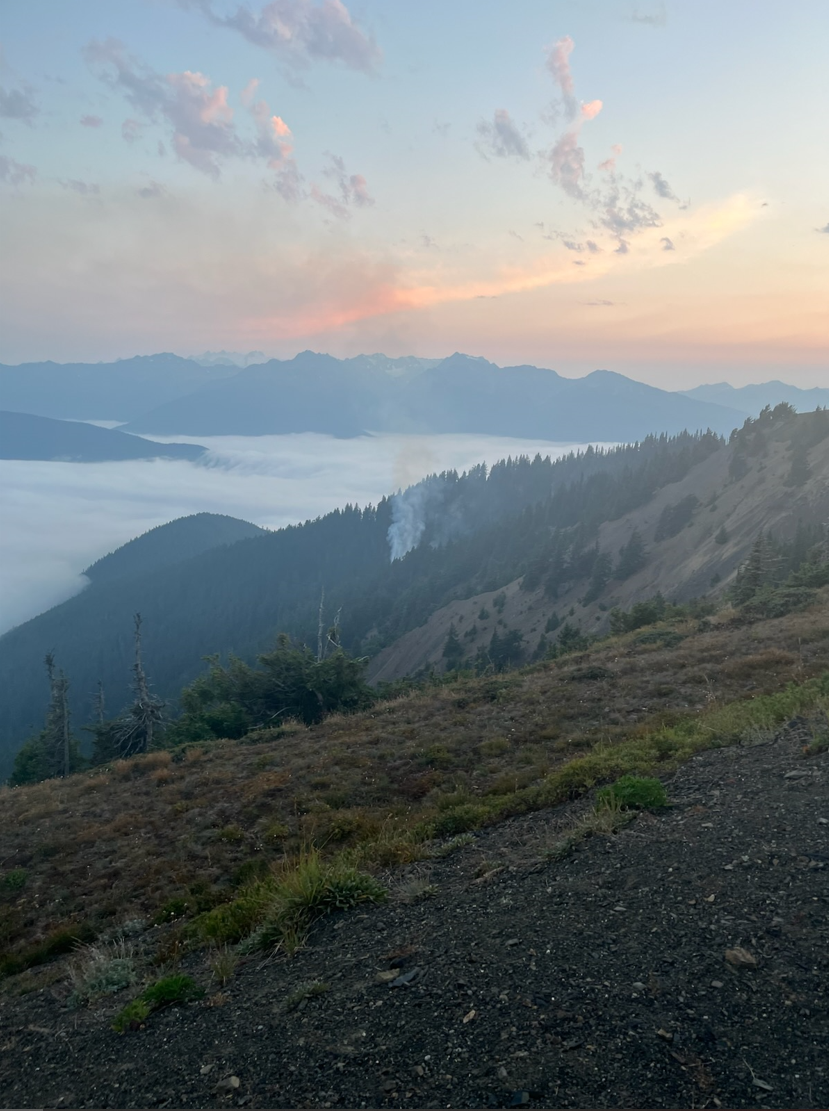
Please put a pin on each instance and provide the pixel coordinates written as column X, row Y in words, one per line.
column 702, row 558
column 171, row 543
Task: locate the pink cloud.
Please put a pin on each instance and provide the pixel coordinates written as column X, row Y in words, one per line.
column 591, row 110
column 91, row 121
column 558, row 63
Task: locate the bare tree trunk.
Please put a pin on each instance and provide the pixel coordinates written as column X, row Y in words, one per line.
column 64, row 715
column 320, row 642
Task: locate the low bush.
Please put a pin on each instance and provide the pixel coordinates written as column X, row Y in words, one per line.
column 167, row 992
column 633, row 792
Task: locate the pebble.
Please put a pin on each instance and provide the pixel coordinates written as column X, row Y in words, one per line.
column 406, row 979
column 638, row 986
column 740, row 958
column 229, row 1084
column 512, row 941
column 716, row 984
column 823, row 821
column 387, row 976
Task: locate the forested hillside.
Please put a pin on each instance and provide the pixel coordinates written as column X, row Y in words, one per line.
column 171, row 543
column 457, row 536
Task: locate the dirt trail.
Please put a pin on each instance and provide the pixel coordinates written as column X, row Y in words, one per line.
column 598, row 980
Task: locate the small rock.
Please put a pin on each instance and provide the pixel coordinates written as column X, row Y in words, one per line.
column 502, row 1073
column 638, row 986
column 389, row 1085
column 665, row 1034
column 387, row 976
column 205, row 1069
column 798, row 773
column 468, row 1017
column 823, row 821
column 519, row 1099
column 406, row 979
column 717, row 984
column 229, row 1084
column 740, row 958
column 512, row 941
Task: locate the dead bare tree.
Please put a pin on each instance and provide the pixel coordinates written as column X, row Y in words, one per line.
column 137, row 729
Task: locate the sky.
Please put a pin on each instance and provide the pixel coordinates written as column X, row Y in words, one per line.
column 60, row 517
column 635, row 186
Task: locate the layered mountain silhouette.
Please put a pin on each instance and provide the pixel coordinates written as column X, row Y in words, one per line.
column 751, row 399
column 168, row 395
column 115, row 391
column 460, row 394
column 25, row 436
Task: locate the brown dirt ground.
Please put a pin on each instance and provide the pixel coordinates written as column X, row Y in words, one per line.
column 596, row 980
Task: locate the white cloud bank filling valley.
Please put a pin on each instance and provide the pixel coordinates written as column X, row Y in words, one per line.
column 60, row 517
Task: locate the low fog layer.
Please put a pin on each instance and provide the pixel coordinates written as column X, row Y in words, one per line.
column 60, row 517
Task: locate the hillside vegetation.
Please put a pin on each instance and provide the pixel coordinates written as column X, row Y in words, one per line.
column 530, row 550
column 191, row 835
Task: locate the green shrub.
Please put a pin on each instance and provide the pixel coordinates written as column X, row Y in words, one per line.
column 459, row 819
column 15, row 880
column 308, row 891
column 633, row 792
column 167, row 992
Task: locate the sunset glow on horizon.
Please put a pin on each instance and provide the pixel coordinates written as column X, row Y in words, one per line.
column 640, row 187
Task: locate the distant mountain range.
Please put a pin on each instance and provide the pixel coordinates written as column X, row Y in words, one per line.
column 102, row 391
column 751, row 399
column 24, row 436
column 460, row 394
column 168, row 395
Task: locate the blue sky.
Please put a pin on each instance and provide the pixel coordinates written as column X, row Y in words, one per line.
column 638, row 186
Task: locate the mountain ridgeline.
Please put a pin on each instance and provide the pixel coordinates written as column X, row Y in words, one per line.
column 24, row 436
column 169, row 396
column 456, row 538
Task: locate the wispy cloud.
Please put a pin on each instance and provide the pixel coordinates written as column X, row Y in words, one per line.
column 204, row 132
column 656, row 18
column 300, row 32
column 16, row 173
column 18, row 104
column 661, row 187
column 824, row 230
column 85, row 188
column 352, row 190
column 501, row 137
column 91, row 121
column 151, row 191
column 667, row 243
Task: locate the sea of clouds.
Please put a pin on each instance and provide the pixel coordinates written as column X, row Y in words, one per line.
column 58, row 518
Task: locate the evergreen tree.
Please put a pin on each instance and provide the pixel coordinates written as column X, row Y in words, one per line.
column 632, row 557
column 722, row 535
column 602, row 569
column 452, row 649
column 800, row 470
column 54, row 751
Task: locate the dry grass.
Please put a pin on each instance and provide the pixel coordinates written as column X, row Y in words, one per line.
column 198, row 825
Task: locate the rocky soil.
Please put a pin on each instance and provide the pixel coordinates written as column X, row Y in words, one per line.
column 681, row 962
